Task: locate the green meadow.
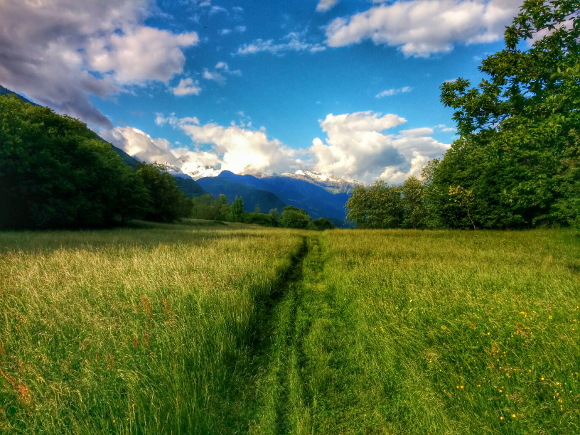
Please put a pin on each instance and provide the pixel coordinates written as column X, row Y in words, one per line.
column 223, row 329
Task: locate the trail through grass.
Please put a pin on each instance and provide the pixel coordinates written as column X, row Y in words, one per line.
column 187, row 329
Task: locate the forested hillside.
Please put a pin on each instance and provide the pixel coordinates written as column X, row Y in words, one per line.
column 56, row 173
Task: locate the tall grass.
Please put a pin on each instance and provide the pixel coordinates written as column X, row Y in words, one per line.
column 132, row 330
column 450, row 333
column 187, row 329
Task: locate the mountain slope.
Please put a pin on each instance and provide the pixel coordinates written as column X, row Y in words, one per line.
column 266, row 200
column 5, row 91
column 187, row 185
column 317, row 201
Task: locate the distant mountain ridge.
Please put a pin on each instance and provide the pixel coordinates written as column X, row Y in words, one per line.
column 317, row 201
column 252, row 197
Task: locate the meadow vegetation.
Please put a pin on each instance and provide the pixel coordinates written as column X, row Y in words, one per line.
column 235, row 329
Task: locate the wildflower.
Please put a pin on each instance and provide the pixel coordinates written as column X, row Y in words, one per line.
column 513, row 416
column 501, row 418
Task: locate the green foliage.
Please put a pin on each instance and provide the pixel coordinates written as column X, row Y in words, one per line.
column 274, row 213
column 519, row 152
column 322, row 224
column 376, row 206
column 167, row 203
column 55, row 173
column 260, row 219
column 223, row 207
column 413, row 203
column 206, row 207
column 236, row 212
column 293, row 217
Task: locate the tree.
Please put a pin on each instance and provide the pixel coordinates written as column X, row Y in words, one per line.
column 260, row 219
column 413, row 203
column 274, row 214
column 224, row 208
column 519, row 149
column 205, row 207
column 322, row 224
column 293, row 217
column 376, row 206
column 464, row 199
column 167, row 203
column 56, row 173
column 236, row 213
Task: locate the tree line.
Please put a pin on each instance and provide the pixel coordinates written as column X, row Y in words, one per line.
column 207, row 207
column 56, row 173
column 516, row 163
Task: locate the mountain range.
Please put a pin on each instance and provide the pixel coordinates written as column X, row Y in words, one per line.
column 321, row 195
column 307, row 195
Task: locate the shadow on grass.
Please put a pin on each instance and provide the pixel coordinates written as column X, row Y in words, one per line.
column 142, row 234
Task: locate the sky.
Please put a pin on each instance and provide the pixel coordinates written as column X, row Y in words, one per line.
column 347, row 87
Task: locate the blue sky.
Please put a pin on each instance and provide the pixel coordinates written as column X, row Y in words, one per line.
column 349, row 87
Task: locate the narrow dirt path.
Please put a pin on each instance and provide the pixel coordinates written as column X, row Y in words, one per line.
column 303, row 352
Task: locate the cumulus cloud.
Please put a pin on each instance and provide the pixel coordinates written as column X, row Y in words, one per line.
column 225, row 31
column 243, row 150
column 143, row 147
column 140, row 55
column 186, row 87
column 291, row 42
column 358, row 149
column 325, row 5
column 423, row 27
column 389, row 92
column 58, row 52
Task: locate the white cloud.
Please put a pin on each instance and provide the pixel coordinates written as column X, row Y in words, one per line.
column 243, row 150
column 423, row 27
column 226, row 69
column 217, row 76
column 186, row 87
column 357, row 148
column 325, row 5
column 142, row 146
column 225, row 31
column 140, row 55
column 240, row 29
column 295, row 42
column 216, row 9
column 58, row 52
column 389, row 92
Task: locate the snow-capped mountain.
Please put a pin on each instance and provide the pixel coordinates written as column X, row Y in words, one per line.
column 197, row 172
column 328, row 182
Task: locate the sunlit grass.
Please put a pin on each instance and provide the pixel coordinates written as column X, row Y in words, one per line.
column 135, row 330
column 460, row 332
column 205, row 328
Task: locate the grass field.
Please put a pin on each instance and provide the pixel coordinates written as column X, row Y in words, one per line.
column 170, row 329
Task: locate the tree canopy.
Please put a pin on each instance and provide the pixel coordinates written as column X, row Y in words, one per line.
column 55, row 173
column 519, row 147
